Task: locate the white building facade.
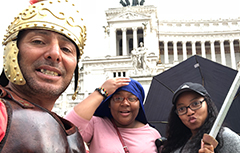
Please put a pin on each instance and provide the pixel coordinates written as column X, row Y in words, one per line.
column 166, row 43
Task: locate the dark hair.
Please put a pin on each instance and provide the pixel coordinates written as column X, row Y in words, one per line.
column 178, row 134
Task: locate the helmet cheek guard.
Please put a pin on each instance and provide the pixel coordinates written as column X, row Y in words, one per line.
column 59, row 16
column 11, row 68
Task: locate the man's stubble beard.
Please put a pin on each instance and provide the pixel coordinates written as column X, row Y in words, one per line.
column 35, row 89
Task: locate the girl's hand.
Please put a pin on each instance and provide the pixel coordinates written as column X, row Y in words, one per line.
column 111, row 85
column 208, row 144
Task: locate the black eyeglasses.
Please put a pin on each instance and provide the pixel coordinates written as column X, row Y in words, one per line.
column 121, row 99
column 193, row 106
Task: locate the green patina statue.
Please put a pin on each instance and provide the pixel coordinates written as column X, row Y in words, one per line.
column 134, row 2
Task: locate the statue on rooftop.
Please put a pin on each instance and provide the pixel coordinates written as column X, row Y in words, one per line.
column 134, row 2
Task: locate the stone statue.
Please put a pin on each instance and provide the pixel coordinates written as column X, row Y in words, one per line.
column 238, row 65
column 106, row 29
column 139, row 58
column 134, row 2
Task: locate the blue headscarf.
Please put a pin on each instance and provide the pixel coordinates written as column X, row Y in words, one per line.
column 133, row 87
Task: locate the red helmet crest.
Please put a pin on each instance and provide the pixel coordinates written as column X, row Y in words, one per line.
column 34, row 1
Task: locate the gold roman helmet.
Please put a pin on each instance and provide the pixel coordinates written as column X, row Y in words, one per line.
column 61, row 16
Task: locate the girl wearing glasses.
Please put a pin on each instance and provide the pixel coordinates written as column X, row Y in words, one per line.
column 112, row 119
column 192, row 115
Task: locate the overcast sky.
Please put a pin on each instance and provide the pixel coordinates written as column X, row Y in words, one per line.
column 94, row 14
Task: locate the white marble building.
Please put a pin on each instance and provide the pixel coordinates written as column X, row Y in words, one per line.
column 166, row 43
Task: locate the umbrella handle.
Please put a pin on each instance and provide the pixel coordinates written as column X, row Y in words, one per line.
column 225, row 107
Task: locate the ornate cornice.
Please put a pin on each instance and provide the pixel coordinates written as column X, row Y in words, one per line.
column 143, row 10
column 198, row 22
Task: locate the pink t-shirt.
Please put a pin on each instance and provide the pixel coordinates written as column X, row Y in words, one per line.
column 3, row 120
column 103, row 138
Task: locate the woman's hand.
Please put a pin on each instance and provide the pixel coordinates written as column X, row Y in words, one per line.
column 208, row 144
column 88, row 106
column 111, row 85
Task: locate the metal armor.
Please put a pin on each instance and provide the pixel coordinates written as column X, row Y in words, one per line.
column 39, row 130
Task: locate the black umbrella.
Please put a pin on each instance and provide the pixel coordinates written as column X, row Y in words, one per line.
column 216, row 78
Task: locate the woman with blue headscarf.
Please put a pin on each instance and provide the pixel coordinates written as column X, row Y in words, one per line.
column 112, row 119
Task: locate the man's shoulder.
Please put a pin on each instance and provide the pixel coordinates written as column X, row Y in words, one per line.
column 8, row 95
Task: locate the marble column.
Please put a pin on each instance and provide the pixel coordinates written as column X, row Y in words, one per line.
column 223, row 58
column 203, row 49
column 213, row 56
column 135, row 41
column 124, row 41
column 232, row 54
column 193, row 47
column 166, row 52
column 184, row 50
column 175, row 53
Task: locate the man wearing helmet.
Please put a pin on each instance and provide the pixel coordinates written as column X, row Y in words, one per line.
column 43, row 47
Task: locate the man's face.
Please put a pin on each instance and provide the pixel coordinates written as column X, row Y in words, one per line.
column 47, row 61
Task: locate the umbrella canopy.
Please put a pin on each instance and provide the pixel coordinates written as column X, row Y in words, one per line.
column 216, row 78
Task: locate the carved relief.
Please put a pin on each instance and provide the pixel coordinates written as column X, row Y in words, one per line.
column 129, row 16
